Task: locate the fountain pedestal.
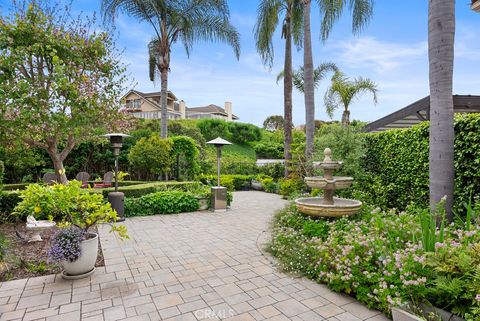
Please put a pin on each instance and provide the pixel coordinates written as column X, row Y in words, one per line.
column 328, row 205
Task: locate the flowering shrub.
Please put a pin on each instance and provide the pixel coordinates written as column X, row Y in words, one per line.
column 378, row 257
column 66, row 245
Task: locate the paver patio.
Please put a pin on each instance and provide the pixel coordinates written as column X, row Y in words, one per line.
column 194, row 266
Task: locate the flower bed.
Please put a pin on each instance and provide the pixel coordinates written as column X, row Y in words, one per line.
column 379, row 258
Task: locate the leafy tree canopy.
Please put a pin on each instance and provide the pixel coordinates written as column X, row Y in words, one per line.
column 59, row 80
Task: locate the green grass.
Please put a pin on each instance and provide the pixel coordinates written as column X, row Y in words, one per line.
column 234, row 152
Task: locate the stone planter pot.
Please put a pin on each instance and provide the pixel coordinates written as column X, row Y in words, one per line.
column 85, row 264
column 203, row 203
column 402, row 315
column 256, row 185
column 405, row 314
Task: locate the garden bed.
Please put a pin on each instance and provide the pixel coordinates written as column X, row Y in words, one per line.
column 25, row 260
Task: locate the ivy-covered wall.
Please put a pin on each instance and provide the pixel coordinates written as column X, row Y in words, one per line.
column 396, row 164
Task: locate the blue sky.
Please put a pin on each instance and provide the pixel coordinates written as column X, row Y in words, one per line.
column 392, row 51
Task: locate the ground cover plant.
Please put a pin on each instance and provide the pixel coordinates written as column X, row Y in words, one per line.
column 167, row 202
column 379, row 258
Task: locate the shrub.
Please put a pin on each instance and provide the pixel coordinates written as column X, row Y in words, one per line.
column 379, row 258
column 3, row 247
column 244, row 133
column 231, row 182
column 213, row 128
column 137, row 190
column 161, row 203
column 269, row 150
column 151, row 156
column 2, row 173
column 290, row 186
column 185, row 153
column 8, row 201
column 396, row 164
column 274, row 170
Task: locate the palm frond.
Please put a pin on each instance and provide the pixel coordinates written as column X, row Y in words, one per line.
column 330, row 11
column 361, row 85
column 267, row 21
column 362, row 12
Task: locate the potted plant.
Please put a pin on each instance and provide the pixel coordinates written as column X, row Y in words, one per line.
column 75, row 245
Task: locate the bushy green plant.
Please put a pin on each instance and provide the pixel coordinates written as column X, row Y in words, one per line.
column 213, row 128
column 161, row 203
column 2, row 174
column 231, row 182
column 3, row 247
column 8, row 201
column 244, row 133
column 396, row 164
column 137, row 190
column 69, row 204
column 151, row 156
column 290, row 186
column 185, row 153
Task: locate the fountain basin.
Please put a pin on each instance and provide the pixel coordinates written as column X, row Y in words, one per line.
column 338, row 182
column 314, row 206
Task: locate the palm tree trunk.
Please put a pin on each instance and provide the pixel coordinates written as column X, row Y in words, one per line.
column 346, row 118
column 164, row 93
column 441, row 36
column 287, row 96
column 309, row 88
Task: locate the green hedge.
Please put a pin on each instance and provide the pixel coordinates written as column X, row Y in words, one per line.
column 396, row 165
column 8, row 201
column 147, row 188
column 166, row 202
column 231, row 182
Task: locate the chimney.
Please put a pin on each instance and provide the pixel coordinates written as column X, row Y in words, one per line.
column 182, row 109
column 228, row 110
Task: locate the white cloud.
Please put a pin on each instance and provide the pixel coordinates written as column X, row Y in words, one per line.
column 368, row 52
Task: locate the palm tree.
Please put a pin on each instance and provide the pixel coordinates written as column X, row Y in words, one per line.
column 269, row 14
column 331, row 11
column 343, row 91
column 186, row 21
column 319, row 74
column 441, row 36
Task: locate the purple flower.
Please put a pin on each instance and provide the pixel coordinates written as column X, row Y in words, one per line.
column 66, row 245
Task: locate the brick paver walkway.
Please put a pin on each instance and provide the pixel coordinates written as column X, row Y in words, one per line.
column 195, row 266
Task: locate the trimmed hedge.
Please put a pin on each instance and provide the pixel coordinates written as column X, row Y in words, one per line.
column 167, row 202
column 139, row 190
column 396, row 165
column 231, row 182
column 8, row 201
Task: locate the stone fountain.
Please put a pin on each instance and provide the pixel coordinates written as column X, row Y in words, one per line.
column 328, row 206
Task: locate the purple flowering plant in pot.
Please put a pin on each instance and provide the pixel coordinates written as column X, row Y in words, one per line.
column 75, row 245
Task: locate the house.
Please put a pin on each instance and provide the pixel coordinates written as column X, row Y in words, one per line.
column 476, row 5
column 420, row 111
column 148, row 106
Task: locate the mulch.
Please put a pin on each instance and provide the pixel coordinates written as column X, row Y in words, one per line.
column 24, row 259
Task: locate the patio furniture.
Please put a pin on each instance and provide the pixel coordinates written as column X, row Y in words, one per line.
column 83, row 177
column 50, row 178
column 107, row 181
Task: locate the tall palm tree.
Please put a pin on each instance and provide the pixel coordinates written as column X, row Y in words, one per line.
column 343, row 91
column 441, row 37
column 319, row 74
column 186, row 21
column 330, row 11
column 270, row 12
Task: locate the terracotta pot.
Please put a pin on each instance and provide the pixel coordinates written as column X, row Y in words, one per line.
column 85, row 264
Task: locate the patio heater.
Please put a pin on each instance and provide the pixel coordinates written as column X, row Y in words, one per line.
column 219, row 193
column 116, row 198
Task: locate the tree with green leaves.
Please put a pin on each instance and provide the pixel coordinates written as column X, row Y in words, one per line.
column 273, row 123
column 343, row 92
column 152, row 156
column 59, row 80
column 187, row 21
column 441, row 38
column 290, row 14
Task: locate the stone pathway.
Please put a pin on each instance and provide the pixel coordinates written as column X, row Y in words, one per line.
column 194, row 266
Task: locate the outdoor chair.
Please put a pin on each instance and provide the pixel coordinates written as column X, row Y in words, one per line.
column 50, row 178
column 83, row 177
column 107, row 181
